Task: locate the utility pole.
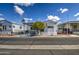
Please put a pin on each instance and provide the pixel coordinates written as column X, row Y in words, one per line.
column 23, row 21
column 68, row 29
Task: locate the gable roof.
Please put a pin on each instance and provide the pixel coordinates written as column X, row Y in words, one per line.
column 6, row 21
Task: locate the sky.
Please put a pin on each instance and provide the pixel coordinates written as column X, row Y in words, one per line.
column 39, row 11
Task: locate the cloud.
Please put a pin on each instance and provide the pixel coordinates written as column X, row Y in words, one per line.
column 63, row 10
column 19, row 10
column 25, row 4
column 77, row 14
column 53, row 18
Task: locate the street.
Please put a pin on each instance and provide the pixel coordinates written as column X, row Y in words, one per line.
column 39, row 46
column 38, row 52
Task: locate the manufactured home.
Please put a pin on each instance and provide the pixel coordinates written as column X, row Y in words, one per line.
column 71, row 27
column 51, row 28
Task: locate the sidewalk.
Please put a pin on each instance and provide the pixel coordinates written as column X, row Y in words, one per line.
column 39, row 46
column 58, row 36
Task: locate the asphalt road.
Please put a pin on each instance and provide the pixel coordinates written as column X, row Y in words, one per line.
column 39, row 41
column 38, row 52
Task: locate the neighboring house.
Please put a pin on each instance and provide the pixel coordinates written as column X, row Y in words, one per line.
column 26, row 25
column 16, row 28
column 51, row 28
column 70, row 26
column 7, row 27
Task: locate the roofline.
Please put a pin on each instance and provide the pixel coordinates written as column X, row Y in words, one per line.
column 70, row 22
column 5, row 20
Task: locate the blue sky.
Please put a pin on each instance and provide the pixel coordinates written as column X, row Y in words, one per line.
column 40, row 11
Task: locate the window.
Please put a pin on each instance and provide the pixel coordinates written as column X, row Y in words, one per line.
column 9, row 26
column 1, row 27
column 20, row 27
column 50, row 26
column 4, row 27
column 13, row 26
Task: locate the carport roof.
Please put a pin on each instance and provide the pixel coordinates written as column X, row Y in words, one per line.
column 75, row 21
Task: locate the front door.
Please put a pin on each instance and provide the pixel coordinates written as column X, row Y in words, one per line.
column 50, row 31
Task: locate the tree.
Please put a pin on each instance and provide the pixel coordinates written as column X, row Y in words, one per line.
column 38, row 26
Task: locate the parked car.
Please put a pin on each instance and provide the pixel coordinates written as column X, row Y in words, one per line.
column 32, row 33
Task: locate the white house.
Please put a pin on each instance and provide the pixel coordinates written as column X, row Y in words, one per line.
column 26, row 25
column 7, row 27
column 51, row 28
column 16, row 28
column 52, row 25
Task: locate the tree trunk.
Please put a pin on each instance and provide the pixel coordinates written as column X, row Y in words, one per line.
column 39, row 32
